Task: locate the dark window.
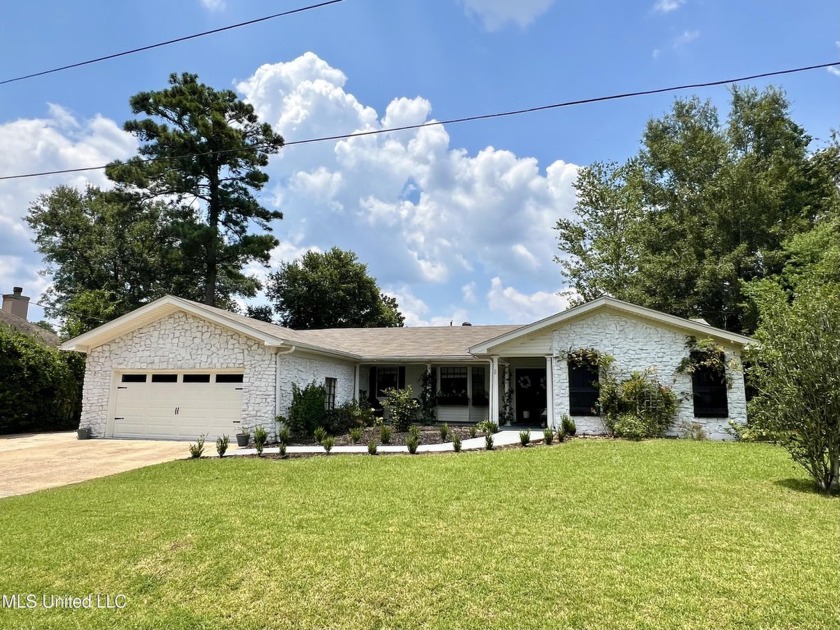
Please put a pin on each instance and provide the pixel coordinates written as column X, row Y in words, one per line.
column 453, row 386
column 164, row 378
column 387, row 378
column 583, row 389
column 329, row 387
column 228, row 378
column 133, row 378
column 196, row 378
column 479, row 390
column 709, row 387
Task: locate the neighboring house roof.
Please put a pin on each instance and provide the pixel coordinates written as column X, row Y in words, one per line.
column 379, row 344
column 28, row 328
column 614, row 305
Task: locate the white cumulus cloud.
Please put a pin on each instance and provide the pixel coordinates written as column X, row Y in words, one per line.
column 521, row 308
column 666, row 6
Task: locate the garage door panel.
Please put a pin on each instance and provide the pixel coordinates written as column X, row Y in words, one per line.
column 148, row 409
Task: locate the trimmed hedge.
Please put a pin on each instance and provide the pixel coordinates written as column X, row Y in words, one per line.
column 40, row 386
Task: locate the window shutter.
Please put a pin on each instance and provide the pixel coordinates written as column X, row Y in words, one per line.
column 402, row 378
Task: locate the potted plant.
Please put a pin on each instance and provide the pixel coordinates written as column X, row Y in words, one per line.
column 83, row 433
column 243, row 437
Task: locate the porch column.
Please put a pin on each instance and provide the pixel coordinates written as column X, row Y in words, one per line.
column 494, row 389
column 549, row 390
column 507, row 384
column 356, row 383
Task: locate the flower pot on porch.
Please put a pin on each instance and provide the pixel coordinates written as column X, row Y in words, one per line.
column 242, row 439
column 83, row 433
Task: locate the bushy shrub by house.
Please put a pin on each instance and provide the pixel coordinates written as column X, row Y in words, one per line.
column 40, row 386
column 401, row 406
column 638, row 407
column 307, row 411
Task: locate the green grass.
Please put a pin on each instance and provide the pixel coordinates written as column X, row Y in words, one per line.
column 588, row 534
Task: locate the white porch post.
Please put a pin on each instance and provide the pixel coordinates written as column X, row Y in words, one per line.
column 356, row 383
column 494, row 389
column 549, row 390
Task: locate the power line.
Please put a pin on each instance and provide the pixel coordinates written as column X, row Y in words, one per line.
column 170, row 41
column 454, row 121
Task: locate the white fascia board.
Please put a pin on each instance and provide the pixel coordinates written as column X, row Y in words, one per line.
column 617, row 305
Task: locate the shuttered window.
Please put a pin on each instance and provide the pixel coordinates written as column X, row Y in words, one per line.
column 709, row 392
column 583, row 389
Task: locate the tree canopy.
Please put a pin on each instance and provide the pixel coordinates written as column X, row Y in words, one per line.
column 702, row 208
column 330, row 290
column 203, row 153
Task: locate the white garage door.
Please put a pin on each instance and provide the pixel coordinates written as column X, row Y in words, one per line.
column 178, row 406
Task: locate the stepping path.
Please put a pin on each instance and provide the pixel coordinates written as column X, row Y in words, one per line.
column 502, row 438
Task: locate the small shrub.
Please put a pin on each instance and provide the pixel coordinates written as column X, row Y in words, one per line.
column 473, row 431
column 197, row 449
column 456, row 442
column 385, row 434
column 401, row 406
column 222, row 444
column 412, row 442
column 328, row 442
column 282, row 450
column 488, row 441
column 320, row 435
column 444, row 431
column 631, row 427
column 694, row 431
column 283, row 435
column 260, row 437
column 524, row 437
column 548, row 435
column 372, row 447
column 356, row 435
column 569, row 427
column 414, row 431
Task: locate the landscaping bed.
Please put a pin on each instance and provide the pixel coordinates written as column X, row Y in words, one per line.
column 429, row 434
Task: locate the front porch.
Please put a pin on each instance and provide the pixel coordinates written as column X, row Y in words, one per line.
column 508, row 391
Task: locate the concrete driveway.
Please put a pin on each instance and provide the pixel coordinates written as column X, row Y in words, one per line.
column 31, row 462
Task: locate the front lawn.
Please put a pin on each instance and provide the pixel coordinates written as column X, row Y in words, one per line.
column 587, row 534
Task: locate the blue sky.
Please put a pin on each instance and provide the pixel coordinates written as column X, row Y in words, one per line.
column 455, row 222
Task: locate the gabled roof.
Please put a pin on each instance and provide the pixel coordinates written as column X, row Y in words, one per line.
column 28, row 328
column 269, row 334
column 612, row 304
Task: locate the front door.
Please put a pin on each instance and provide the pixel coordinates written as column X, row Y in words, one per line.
column 530, row 395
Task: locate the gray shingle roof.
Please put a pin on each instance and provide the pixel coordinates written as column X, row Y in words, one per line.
column 28, row 328
column 380, row 343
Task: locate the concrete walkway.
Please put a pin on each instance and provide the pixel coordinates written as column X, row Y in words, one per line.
column 502, row 438
column 31, row 462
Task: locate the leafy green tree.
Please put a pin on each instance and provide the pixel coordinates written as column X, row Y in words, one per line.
column 261, row 312
column 330, row 290
column 795, row 370
column 600, row 251
column 40, row 386
column 107, row 253
column 203, row 152
column 712, row 206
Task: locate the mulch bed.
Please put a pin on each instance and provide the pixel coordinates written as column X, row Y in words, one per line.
column 428, row 435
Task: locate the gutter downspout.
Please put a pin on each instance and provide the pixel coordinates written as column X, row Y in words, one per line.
column 277, row 354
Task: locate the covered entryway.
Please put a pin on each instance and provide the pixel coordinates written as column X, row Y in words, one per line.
column 531, row 400
column 178, row 405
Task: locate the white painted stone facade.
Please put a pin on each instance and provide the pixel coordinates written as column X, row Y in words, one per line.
column 637, row 345
column 302, row 369
column 181, row 341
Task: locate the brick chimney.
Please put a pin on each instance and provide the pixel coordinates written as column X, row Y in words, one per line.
column 16, row 303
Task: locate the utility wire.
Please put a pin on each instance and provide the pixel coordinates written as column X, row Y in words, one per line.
column 171, row 41
column 454, row 121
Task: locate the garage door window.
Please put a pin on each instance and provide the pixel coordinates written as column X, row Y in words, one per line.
column 228, row 378
column 196, row 378
column 164, row 378
column 133, row 378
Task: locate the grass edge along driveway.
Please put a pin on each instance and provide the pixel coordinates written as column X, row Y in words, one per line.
column 587, row 534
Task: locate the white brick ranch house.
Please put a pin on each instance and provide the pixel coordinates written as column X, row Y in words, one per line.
column 177, row 369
